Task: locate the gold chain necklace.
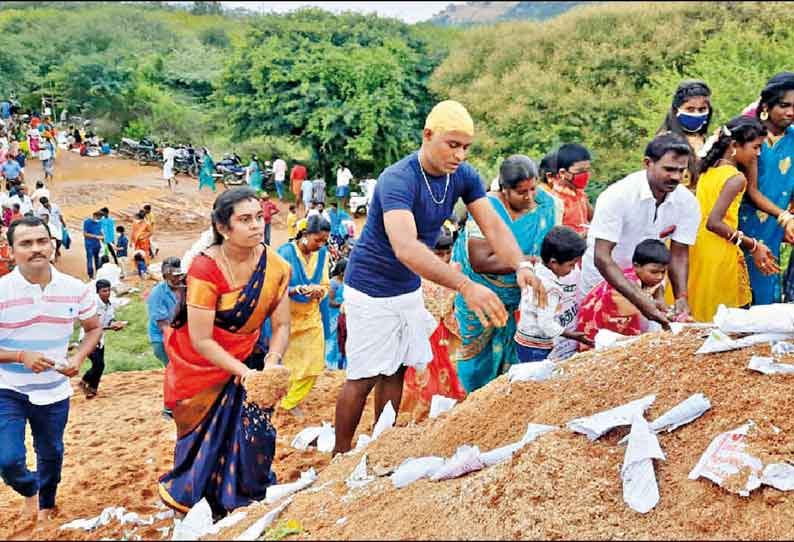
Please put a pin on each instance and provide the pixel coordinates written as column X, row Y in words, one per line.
column 229, row 267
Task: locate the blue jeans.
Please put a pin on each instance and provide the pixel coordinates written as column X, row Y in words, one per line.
column 280, row 189
column 47, row 423
column 267, row 233
column 92, row 258
column 526, row 354
column 159, row 353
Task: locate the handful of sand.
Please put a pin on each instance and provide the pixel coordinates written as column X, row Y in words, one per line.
column 265, row 388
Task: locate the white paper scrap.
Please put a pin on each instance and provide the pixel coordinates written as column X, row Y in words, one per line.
column 279, row 491
column 386, row 420
column 775, row 318
column 640, row 489
column 769, row 366
column 196, row 523
column 359, row 477
column 602, row 422
column 718, row 341
column 414, row 469
column 440, row 404
column 255, row 531
column 326, row 439
column 779, row 475
column 725, row 456
column 497, row 455
column 525, row 372
column 606, row 338
column 782, row 348
column 466, row 459
column 303, row 439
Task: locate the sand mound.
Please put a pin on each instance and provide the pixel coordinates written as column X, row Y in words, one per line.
column 562, row 485
column 118, row 445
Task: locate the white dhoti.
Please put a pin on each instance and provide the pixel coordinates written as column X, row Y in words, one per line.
column 384, row 333
column 168, row 170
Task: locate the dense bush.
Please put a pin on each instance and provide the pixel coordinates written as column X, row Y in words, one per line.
column 605, row 75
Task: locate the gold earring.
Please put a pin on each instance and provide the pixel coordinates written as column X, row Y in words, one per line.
column 764, row 115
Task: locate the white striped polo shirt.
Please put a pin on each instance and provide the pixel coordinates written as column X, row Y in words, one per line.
column 36, row 320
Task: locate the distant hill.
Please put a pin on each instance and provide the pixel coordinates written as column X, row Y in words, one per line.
column 473, row 13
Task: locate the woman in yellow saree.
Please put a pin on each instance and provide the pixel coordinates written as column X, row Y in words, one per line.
column 308, row 257
column 224, row 446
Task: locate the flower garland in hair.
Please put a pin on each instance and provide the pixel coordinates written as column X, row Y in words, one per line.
column 704, row 150
column 205, row 241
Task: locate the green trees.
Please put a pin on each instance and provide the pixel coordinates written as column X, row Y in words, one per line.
column 351, row 87
column 604, row 75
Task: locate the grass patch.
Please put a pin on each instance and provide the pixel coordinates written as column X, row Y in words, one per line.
column 129, row 349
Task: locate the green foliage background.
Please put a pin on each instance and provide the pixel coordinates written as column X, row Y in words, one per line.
column 325, row 88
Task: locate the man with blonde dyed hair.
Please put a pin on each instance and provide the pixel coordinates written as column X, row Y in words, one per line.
column 388, row 327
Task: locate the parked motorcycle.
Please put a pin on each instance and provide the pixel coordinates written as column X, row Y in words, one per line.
column 147, row 153
column 230, row 170
column 128, row 147
column 186, row 161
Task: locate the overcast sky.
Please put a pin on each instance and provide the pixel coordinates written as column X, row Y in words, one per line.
column 410, row 12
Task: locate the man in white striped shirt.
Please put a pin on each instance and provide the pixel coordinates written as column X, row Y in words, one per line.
column 38, row 307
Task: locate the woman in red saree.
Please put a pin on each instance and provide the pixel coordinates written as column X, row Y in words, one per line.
column 225, row 446
column 440, row 377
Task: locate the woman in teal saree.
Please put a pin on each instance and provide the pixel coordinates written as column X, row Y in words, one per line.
column 486, row 352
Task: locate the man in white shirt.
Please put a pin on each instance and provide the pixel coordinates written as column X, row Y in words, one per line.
column 41, row 191
column 169, row 154
column 647, row 204
column 343, row 177
column 50, row 213
column 89, row 384
column 279, row 174
column 38, row 308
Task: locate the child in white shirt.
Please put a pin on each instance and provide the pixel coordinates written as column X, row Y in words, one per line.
column 538, row 328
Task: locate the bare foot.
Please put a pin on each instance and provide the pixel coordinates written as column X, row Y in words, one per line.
column 46, row 514
column 31, row 507
column 297, row 412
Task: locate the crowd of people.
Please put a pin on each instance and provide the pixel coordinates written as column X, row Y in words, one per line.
column 424, row 302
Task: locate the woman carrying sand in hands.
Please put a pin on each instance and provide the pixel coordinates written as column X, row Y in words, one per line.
column 225, row 444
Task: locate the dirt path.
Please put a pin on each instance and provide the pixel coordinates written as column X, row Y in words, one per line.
column 117, row 445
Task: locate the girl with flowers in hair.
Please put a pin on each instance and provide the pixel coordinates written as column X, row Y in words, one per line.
column 717, row 268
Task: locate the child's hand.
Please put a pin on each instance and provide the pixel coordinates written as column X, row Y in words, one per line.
column 579, row 336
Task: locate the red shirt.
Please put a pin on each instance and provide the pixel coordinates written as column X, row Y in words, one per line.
column 576, row 207
column 298, row 173
column 268, row 209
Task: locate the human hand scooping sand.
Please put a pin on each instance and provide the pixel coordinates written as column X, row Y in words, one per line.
column 266, row 388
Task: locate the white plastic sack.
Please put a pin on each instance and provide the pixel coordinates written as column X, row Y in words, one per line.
column 303, row 439
column 606, row 338
column 106, row 516
column 782, row 348
column 769, row 366
column 278, row 492
column 359, row 477
column 440, row 404
column 196, row 523
column 683, row 413
column 362, row 442
column 690, row 409
column 386, row 420
column 779, row 475
column 602, row 422
column 775, row 318
column 536, row 371
column 497, row 455
column 466, row 459
column 255, row 531
column 725, row 456
column 640, row 488
column 327, row 438
column 412, row 470
column 718, row 341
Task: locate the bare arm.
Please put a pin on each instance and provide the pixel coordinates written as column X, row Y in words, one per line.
column 498, row 235
column 483, row 259
column 757, row 197
column 678, row 271
column 614, row 276
column 280, row 325
column 200, row 323
column 93, row 332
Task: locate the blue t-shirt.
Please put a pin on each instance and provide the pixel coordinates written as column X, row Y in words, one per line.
column 108, row 229
column 11, row 169
column 122, row 245
column 92, row 226
column 5, row 109
column 373, row 268
column 160, row 305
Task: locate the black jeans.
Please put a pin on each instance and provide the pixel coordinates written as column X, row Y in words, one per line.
column 94, row 374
